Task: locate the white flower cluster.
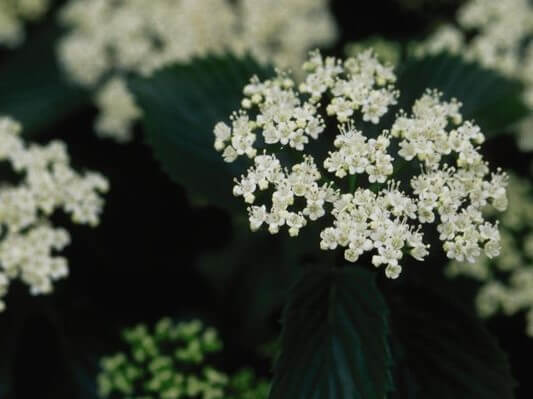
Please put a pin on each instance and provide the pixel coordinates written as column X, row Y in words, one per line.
column 28, row 240
column 502, row 41
column 282, row 31
column 111, row 38
column 118, row 123
column 13, row 15
column 507, row 282
column 278, row 120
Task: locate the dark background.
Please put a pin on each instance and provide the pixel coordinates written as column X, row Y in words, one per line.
column 140, row 263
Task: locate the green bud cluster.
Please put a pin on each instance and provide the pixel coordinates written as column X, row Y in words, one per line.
column 172, row 362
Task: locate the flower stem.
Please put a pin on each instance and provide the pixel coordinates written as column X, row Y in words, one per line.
column 352, row 179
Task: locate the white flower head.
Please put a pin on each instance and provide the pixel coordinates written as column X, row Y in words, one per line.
column 14, row 14
column 354, row 185
column 29, row 241
column 501, row 33
column 110, row 38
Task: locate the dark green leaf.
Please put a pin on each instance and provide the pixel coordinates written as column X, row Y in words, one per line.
column 448, row 351
column 405, row 386
column 492, row 100
column 33, row 88
column 252, row 275
column 181, row 105
column 334, row 339
column 85, row 377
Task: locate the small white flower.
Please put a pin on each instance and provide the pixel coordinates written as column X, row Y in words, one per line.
column 393, row 271
column 258, row 216
column 229, row 154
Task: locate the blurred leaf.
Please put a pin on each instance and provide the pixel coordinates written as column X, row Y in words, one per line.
column 7, row 350
column 12, row 321
column 181, row 105
column 448, row 352
column 334, row 340
column 252, row 275
column 405, row 386
column 33, row 87
column 34, row 347
column 45, row 351
column 492, row 100
column 85, row 377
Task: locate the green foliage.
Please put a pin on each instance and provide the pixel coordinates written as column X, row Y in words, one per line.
column 171, row 362
column 253, row 275
column 492, row 100
column 33, row 88
column 181, row 105
column 445, row 352
column 334, row 339
column 405, row 385
column 245, row 385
